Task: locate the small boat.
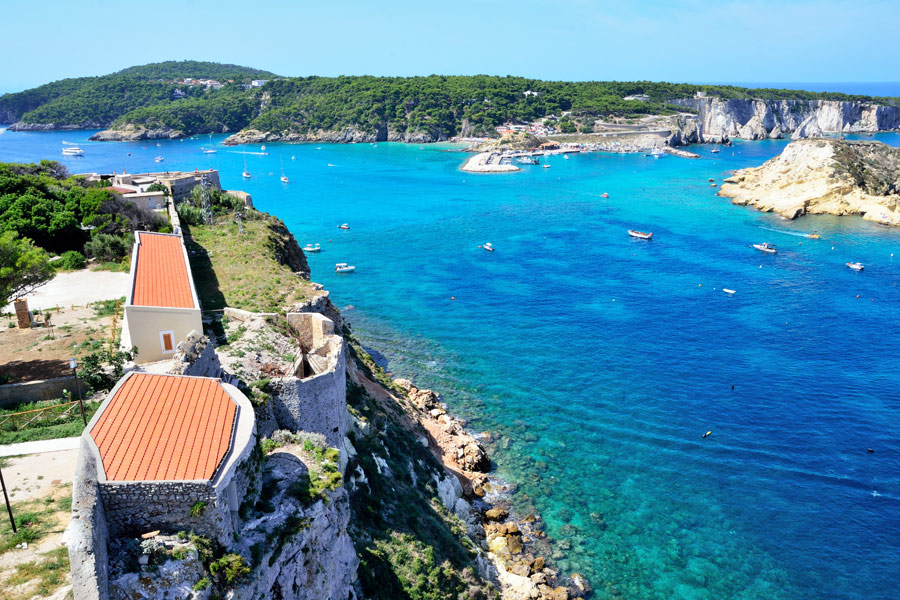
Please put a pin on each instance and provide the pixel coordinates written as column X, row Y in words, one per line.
column 344, row 268
column 856, row 266
column 262, row 148
column 546, row 166
column 489, row 247
column 529, row 160
column 246, row 173
column 728, row 291
column 765, row 247
column 343, row 226
column 158, row 145
column 293, row 157
column 712, row 185
column 640, row 234
column 604, row 195
column 208, row 150
column 284, row 178
column 813, row 235
column 715, row 151
column 73, row 151
column 566, row 156
column 159, row 159
column 311, row 248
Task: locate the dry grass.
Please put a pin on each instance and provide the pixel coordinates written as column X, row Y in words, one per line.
column 242, row 270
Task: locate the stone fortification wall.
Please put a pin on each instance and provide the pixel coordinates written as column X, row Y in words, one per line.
column 318, row 402
column 196, row 356
column 88, row 532
column 133, row 508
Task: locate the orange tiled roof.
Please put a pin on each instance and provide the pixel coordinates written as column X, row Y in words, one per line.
column 161, row 276
column 165, row 427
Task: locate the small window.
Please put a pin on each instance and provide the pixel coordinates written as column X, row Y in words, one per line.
column 167, row 339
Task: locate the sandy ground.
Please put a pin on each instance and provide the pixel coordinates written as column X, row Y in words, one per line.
column 78, row 288
column 35, row 475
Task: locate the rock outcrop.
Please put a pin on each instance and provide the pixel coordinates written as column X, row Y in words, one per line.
column 834, row 177
column 133, row 133
column 753, row 119
column 346, row 135
column 20, row 126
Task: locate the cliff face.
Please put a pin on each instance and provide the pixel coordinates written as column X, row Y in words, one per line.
column 133, row 133
column 718, row 120
column 833, row 177
column 347, row 135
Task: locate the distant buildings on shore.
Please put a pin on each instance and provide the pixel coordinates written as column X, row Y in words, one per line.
column 135, row 186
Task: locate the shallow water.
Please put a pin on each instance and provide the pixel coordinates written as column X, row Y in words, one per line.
column 598, row 361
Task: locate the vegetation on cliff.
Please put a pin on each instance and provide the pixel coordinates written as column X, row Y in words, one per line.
column 409, row 544
column 259, row 270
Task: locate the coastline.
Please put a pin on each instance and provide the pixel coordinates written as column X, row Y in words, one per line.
column 516, row 549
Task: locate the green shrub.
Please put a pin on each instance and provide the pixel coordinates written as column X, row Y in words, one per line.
column 108, row 247
column 230, row 567
column 198, row 508
column 70, row 261
column 190, row 215
column 202, row 584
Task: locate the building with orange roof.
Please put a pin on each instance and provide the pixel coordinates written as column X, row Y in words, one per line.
column 162, row 453
column 162, row 307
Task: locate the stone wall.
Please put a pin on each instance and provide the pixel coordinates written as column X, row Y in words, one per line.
column 317, row 403
column 35, row 391
column 88, row 532
column 196, row 356
column 136, row 507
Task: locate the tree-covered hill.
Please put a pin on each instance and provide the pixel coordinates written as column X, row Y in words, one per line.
column 434, row 107
column 98, row 101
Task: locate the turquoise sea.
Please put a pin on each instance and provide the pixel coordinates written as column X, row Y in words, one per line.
column 597, row 361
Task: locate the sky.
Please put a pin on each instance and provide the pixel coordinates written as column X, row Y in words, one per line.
column 659, row 40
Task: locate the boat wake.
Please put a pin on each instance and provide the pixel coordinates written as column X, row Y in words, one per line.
column 787, row 232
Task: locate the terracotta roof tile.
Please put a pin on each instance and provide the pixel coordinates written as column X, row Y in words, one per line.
column 165, row 427
column 162, row 276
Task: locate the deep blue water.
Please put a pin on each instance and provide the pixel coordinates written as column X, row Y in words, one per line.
column 598, row 361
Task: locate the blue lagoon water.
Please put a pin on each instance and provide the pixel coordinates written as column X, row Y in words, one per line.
column 597, row 361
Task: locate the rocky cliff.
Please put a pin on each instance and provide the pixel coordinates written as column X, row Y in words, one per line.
column 347, row 135
column 134, row 133
column 834, row 177
column 718, row 119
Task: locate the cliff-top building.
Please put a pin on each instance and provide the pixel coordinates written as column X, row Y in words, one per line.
column 162, row 307
column 163, row 452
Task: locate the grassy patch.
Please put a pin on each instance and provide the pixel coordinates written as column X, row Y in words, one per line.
column 35, row 519
column 69, row 426
column 38, row 578
column 248, row 270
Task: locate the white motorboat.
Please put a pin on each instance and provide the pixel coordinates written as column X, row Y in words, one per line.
column 159, row 159
column 344, row 268
column 856, row 266
column 546, row 166
column 312, row 248
column 489, row 247
column 73, row 151
column 715, row 151
column 728, row 291
column 765, row 247
column 641, row 235
column 343, row 226
column 529, row 160
column 262, row 148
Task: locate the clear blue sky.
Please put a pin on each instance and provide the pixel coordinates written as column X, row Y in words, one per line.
column 672, row 40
